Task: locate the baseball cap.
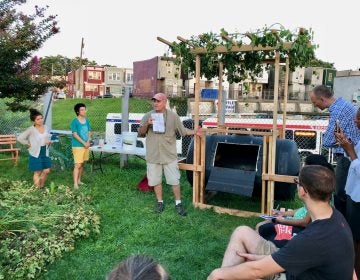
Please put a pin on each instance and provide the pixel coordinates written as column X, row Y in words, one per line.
column 159, row 96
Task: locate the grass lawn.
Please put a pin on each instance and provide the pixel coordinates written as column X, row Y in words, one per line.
column 189, row 247
column 63, row 111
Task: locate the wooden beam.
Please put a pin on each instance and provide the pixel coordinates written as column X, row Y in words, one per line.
column 220, row 107
column 279, row 178
column 197, row 175
column 188, row 166
column 276, row 33
column 235, row 131
column 185, row 41
column 164, row 41
column 230, row 211
column 242, row 48
column 226, row 38
column 286, row 89
column 249, row 35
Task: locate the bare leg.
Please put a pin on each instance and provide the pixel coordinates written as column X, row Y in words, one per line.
column 176, row 192
column 158, row 192
column 81, row 170
column 76, row 173
column 36, row 179
column 245, row 240
column 43, row 177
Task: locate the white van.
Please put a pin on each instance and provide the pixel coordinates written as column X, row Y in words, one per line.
column 113, row 131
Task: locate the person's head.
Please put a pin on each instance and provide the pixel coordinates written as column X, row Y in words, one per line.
column 322, row 97
column 315, row 159
column 318, row 181
column 36, row 117
column 138, row 267
column 357, row 118
column 80, row 109
column 159, row 102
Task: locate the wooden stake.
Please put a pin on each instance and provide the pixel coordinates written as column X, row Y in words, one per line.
column 196, row 174
column 285, row 97
column 164, row 41
column 185, row 41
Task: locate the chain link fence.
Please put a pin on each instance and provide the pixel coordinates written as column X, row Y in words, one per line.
column 304, row 126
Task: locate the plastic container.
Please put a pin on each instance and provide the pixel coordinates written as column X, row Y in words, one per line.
column 129, row 140
column 287, row 161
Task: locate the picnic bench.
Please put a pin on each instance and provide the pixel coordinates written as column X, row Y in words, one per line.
column 7, row 142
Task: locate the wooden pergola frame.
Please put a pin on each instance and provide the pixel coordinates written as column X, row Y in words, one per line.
column 269, row 138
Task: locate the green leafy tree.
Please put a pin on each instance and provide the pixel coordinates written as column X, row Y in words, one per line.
column 20, row 35
column 60, row 65
column 55, row 66
column 320, row 63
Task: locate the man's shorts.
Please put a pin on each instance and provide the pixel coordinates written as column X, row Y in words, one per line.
column 80, row 154
column 265, row 247
column 171, row 171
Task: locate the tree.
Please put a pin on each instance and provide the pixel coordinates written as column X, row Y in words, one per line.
column 20, row 35
column 320, row 63
column 61, row 65
column 55, row 66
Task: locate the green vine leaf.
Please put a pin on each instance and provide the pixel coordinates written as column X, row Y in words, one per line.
column 239, row 66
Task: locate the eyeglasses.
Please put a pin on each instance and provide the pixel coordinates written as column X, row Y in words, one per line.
column 297, row 182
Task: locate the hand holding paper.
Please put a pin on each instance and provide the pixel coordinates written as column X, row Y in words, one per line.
column 158, row 122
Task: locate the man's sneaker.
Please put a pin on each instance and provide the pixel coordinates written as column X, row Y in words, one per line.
column 180, row 210
column 159, row 207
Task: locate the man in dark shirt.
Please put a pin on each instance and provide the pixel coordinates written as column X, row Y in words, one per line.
column 324, row 250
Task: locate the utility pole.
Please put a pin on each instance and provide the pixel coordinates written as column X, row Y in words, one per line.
column 79, row 77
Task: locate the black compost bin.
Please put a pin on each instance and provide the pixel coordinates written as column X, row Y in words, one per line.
column 234, row 164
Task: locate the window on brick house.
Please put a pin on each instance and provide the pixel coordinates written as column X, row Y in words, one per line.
column 94, row 75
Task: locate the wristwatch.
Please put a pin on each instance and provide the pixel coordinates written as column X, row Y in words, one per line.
column 273, row 220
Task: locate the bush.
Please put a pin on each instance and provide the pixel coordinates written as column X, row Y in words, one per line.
column 38, row 226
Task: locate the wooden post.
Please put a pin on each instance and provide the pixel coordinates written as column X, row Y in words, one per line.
column 265, row 171
column 221, row 113
column 196, row 174
column 272, row 144
column 202, row 172
column 285, row 97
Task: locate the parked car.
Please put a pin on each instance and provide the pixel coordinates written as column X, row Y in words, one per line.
column 106, row 95
column 61, row 95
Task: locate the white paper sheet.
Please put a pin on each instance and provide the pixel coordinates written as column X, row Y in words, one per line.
column 158, row 122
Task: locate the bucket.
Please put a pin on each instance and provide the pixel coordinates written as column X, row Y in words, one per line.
column 129, row 140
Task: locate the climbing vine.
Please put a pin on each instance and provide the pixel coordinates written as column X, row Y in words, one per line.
column 239, row 66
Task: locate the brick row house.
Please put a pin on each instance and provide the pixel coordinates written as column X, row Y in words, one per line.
column 89, row 82
column 94, row 81
column 118, row 81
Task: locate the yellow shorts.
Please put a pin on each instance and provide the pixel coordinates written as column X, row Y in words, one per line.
column 80, row 154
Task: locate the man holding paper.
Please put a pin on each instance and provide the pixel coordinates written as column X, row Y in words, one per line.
column 160, row 126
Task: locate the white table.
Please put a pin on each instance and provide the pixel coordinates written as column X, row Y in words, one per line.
column 112, row 150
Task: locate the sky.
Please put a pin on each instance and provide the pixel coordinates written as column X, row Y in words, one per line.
column 119, row 32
